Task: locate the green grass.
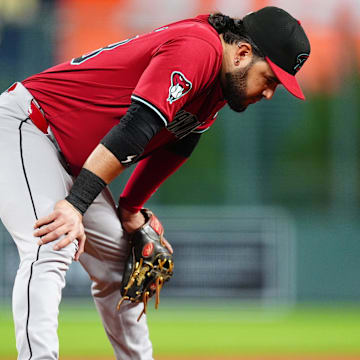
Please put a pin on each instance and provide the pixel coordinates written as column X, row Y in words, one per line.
column 212, row 329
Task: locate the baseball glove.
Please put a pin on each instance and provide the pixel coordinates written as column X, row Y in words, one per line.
column 149, row 264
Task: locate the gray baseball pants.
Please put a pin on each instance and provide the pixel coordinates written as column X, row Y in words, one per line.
column 33, row 178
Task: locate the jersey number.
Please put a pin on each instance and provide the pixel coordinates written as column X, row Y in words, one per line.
column 79, row 60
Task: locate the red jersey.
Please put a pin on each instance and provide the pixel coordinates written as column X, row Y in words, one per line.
column 174, row 70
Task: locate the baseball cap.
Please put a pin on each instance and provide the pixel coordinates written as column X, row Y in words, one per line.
column 283, row 41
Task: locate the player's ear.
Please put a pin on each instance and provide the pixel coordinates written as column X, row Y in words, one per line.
column 243, row 53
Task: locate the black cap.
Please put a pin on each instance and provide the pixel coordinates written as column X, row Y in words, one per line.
column 283, row 41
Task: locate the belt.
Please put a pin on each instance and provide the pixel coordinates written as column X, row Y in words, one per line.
column 35, row 113
column 37, row 116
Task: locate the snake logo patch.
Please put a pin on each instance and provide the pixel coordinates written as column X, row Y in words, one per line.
column 179, row 86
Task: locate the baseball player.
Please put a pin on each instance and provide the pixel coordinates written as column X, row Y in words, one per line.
column 67, row 132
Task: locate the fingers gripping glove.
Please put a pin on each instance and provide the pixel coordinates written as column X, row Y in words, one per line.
column 149, row 264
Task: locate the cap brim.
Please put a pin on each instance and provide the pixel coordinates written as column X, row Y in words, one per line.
column 289, row 81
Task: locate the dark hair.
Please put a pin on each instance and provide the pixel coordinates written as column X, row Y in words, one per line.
column 233, row 31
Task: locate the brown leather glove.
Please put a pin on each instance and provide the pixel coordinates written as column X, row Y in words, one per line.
column 149, row 265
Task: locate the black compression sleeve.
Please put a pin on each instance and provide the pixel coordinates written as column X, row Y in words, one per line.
column 185, row 146
column 128, row 139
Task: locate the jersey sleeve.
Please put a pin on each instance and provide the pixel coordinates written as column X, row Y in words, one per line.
column 210, row 121
column 147, row 177
column 179, row 70
column 206, row 126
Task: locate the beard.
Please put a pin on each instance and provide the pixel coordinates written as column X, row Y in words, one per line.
column 234, row 88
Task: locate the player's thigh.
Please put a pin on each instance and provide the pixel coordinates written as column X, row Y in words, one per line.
column 32, row 178
column 106, row 247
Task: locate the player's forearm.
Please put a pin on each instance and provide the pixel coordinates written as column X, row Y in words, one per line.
column 103, row 163
column 99, row 170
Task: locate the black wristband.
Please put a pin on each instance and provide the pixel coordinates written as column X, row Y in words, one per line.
column 86, row 188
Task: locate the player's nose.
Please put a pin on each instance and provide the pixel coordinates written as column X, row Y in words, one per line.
column 268, row 93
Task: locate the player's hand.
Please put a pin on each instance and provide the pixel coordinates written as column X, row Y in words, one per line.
column 130, row 221
column 64, row 220
column 133, row 221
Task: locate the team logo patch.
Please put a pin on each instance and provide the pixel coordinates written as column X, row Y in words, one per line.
column 300, row 60
column 180, row 86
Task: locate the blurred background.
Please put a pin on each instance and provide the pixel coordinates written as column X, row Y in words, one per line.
column 266, row 212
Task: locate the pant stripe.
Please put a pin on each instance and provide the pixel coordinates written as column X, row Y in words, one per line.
column 38, row 251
